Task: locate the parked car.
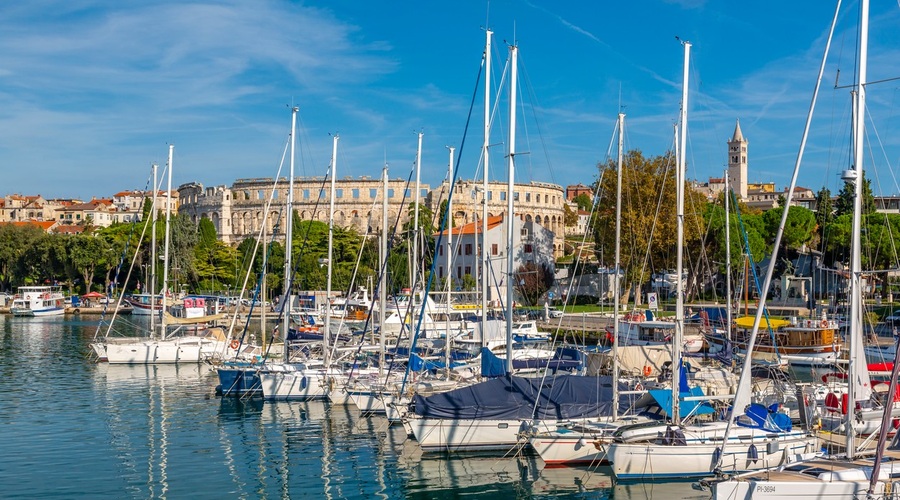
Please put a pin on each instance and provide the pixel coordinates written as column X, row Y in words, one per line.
column 555, row 313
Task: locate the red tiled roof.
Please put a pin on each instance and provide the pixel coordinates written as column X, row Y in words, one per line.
column 475, row 227
column 45, row 225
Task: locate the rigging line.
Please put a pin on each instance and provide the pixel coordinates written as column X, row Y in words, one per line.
column 268, row 205
column 759, row 291
column 667, row 158
column 125, row 248
column 439, row 239
column 887, row 226
column 383, row 280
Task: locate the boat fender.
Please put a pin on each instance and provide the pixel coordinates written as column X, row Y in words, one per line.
column 235, row 343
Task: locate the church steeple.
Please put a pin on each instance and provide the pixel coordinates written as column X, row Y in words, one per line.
column 737, row 161
column 738, row 136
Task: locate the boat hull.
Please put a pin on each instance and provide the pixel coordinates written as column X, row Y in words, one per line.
column 656, row 462
column 450, row 435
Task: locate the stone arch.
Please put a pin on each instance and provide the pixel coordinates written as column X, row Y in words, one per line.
column 527, row 217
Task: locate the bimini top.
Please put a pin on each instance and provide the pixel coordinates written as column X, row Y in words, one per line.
column 747, row 322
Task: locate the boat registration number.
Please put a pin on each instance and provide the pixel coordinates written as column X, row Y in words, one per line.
column 765, row 489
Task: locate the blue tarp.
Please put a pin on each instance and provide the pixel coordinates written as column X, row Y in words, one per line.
column 663, row 399
column 492, row 366
column 512, row 398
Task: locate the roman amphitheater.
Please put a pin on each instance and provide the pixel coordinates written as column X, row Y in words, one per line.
column 241, row 210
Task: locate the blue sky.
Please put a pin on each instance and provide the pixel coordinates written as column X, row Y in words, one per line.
column 93, row 91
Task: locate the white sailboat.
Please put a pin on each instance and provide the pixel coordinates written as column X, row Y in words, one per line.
column 164, row 346
column 673, row 450
column 848, row 476
column 309, row 379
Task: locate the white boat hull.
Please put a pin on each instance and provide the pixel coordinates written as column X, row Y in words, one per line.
column 649, row 462
column 435, row 435
column 302, row 384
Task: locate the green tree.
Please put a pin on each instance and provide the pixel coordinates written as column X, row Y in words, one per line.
column 85, row 255
column 844, row 202
column 648, row 215
column 14, row 239
column 799, row 227
column 583, row 201
column 570, row 217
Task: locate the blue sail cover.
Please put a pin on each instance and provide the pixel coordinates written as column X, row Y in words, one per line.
column 516, row 398
column 563, row 360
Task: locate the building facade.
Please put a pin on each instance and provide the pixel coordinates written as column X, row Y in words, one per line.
column 249, row 205
column 531, row 244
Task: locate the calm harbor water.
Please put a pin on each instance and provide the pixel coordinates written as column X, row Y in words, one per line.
column 72, row 428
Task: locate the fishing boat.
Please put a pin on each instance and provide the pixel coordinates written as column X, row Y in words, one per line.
column 797, row 341
column 38, row 301
column 144, row 304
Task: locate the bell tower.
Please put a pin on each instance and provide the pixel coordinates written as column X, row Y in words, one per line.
column 737, row 162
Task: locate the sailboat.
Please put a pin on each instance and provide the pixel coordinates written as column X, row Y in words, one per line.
column 308, row 379
column 163, row 346
column 674, row 450
column 848, row 476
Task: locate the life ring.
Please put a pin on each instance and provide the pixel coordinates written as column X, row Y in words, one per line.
column 824, row 323
column 235, row 344
column 638, row 387
column 647, row 370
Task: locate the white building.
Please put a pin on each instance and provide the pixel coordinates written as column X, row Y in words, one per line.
column 532, row 243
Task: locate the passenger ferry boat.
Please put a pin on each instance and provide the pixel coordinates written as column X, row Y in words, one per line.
column 38, row 301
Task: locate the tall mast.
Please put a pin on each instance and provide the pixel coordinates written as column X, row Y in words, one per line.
column 152, row 285
column 288, row 240
column 728, row 263
column 162, row 321
column 615, row 384
column 859, row 383
column 484, row 191
column 382, row 289
column 416, row 235
column 333, row 173
column 510, row 214
column 679, row 258
column 449, row 249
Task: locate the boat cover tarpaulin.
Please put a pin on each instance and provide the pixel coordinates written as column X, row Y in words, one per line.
column 663, row 399
column 516, row 398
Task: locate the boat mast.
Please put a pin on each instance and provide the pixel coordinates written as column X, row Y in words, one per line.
column 449, row 249
column 326, row 354
column 510, row 215
column 679, row 259
column 616, row 293
column 162, row 320
column 415, row 254
column 382, row 288
column 484, row 191
column 152, row 285
column 859, row 377
column 728, row 263
column 288, row 241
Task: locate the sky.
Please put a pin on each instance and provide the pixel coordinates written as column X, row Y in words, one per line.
column 93, row 92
